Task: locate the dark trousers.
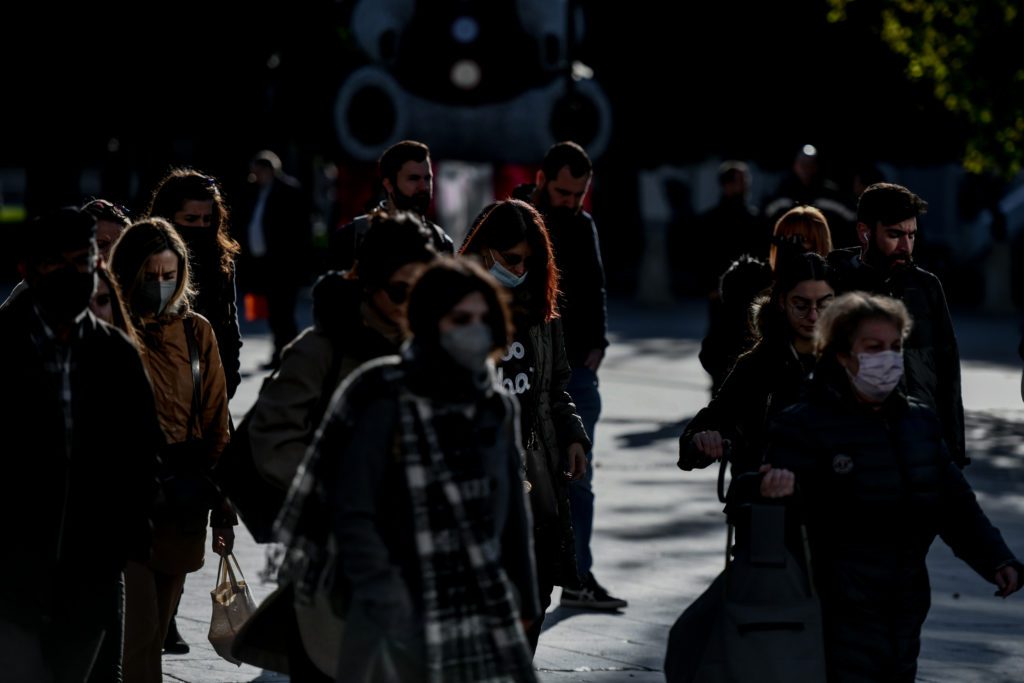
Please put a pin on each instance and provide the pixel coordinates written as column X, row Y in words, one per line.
column 583, row 389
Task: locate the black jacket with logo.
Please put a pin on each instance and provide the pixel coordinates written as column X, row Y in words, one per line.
column 877, row 487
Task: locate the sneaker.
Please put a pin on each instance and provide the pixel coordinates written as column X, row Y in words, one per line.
column 591, row 595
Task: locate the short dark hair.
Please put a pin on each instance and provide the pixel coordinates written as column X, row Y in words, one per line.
column 57, row 231
column 888, row 204
column 568, row 154
column 398, row 154
column 393, row 240
column 445, row 283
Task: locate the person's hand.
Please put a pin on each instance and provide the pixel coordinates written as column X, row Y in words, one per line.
column 223, row 539
column 710, row 443
column 594, row 358
column 577, row 462
column 1008, row 581
column 776, row 483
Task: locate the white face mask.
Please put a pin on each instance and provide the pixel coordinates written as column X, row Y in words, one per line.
column 507, row 277
column 468, row 345
column 878, row 374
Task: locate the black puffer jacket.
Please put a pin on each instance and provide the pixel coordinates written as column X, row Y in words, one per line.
column 931, row 356
column 764, row 382
column 878, row 487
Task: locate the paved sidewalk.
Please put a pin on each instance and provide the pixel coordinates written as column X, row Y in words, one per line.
column 659, row 538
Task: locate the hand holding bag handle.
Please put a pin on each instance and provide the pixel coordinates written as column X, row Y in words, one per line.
column 233, row 604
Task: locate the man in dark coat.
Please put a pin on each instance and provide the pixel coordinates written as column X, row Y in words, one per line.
column 562, row 184
column 80, row 451
column 275, row 236
column 883, row 264
column 408, row 183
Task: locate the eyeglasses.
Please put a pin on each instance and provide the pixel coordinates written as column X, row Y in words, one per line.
column 398, row 292
column 802, row 307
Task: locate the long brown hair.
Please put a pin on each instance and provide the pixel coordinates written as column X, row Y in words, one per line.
column 140, row 241
column 181, row 185
column 508, row 223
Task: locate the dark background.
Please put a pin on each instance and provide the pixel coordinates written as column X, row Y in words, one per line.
column 207, row 84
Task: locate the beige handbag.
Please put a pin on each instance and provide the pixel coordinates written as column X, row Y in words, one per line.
column 232, row 606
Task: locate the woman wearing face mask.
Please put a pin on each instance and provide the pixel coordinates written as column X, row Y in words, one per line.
column 769, row 377
column 194, row 204
column 358, row 316
column 513, row 243
column 426, row 495
column 877, row 486
column 150, row 263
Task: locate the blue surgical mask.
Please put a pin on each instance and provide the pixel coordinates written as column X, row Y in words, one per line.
column 507, row 277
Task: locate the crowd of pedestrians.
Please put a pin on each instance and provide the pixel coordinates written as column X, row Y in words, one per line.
column 432, row 434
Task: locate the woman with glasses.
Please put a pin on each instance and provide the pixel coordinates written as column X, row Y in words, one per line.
column 514, row 245
column 877, row 486
column 802, row 229
column 769, row 377
column 358, row 316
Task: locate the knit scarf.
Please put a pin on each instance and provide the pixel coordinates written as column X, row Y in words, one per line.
column 471, row 623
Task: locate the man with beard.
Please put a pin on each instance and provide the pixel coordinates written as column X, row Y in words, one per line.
column 884, row 264
column 408, row 185
column 80, row 452
column 562, row 183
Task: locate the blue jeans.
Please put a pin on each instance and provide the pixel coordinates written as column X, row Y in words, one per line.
column 583, row 389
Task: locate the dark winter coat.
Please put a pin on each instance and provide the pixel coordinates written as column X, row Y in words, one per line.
column 763, row 383
column 77, row 505
column 878, row 487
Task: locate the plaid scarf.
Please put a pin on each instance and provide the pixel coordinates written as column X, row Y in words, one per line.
column 471, row 622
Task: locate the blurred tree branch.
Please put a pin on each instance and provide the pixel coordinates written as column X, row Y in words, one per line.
column 969, row 51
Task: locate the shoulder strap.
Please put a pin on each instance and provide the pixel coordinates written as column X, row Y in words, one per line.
column 197, row 378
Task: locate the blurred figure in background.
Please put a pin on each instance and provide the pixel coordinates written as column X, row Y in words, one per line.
column 276, row 245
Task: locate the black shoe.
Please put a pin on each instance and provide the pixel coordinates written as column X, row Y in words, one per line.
column 174, row 644
column 591, row 595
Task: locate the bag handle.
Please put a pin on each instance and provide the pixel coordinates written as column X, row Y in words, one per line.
column 230, row 571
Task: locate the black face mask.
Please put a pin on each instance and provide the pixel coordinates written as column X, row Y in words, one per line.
column 418, row 203
column 64, row 293
column 201, row 237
